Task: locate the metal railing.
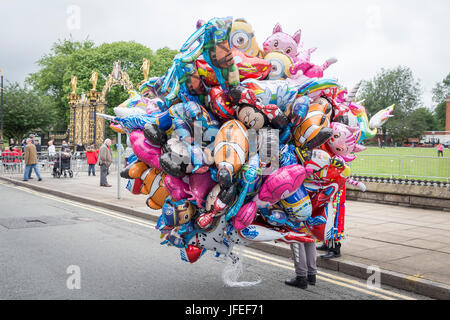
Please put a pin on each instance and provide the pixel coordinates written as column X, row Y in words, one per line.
column 15, row 164
column 401, row 166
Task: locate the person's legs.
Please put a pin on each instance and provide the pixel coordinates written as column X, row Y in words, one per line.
column 311, row 257
column 93, row 170
column 89, row 169
column 301, row 267
column 36, row 169
column 334, row 250
column 27, row 173
column 103, row 174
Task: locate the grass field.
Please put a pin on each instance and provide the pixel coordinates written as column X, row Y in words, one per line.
column 411, row 163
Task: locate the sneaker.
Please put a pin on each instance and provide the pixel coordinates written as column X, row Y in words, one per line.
column 40, row 179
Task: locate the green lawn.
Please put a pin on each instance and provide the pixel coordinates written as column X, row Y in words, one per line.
column 411, row 163
column 421, row 152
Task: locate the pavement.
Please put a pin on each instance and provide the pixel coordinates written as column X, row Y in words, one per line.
column 410, row 247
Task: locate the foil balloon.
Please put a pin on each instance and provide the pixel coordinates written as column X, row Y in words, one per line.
column 283, row 42
column 315, row 129
column 153, row 185
column 309, row 69
column 343, row 141
column 177, row 187
column 176, row 213
column 280, row 65
column 381, row 117
column 144, row 150
column 230, row 151
column 281, row 184
column 200, row 184
column 298, row 205
column 242, row 38
column 218, row 201
column 221, row 104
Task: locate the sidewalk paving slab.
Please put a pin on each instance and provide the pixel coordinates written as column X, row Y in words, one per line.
column 409, row 245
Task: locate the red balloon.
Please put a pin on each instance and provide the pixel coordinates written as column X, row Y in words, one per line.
column 221, row 104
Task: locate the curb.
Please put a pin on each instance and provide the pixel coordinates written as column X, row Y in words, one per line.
column 397, row 280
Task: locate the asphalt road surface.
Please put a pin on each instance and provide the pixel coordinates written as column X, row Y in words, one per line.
column 52, row 248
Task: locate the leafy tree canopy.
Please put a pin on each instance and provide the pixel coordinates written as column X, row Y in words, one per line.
column 440, row 92
column 26, row 110
column 69, row 58
column 397, row 86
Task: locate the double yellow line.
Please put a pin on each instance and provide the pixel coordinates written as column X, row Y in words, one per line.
column 279, row 262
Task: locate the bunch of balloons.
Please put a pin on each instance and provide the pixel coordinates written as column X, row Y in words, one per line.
column 235, row 144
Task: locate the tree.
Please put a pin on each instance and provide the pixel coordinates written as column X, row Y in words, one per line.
column 440, row 93
column 26, row 110
column 68, row 58
column 397, row 86
column 418, row 121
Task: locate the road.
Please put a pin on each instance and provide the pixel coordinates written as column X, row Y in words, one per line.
column 52, row 248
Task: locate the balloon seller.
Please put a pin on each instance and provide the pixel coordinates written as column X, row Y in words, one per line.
column 237, row 144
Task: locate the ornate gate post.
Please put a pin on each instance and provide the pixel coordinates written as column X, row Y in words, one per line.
column 73, row 101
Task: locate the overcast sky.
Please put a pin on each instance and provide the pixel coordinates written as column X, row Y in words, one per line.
column 364, row 36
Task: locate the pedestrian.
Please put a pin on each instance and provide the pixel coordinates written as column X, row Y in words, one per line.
column 440, row 150
column 31, row 160
column 51, row 149
column 38, row 146
column 80, row 147
column 64, row 145
column 91, row 158
column 105, row 160
column 304, row 255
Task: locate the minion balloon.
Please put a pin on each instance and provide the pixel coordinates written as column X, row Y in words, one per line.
column 242, row 38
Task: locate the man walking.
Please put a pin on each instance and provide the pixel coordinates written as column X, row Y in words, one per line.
column 30, row 160
column 104, row 160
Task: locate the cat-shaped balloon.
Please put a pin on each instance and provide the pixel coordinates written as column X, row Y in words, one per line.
column 282, row 42
column 343, row 141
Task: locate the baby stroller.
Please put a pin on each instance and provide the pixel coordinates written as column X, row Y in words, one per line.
column 62, row 165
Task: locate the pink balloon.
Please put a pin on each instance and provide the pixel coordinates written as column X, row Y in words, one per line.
column 176, row 187
column 245, row 215
column 281, row 184
column 145, row 151
column 200, row 184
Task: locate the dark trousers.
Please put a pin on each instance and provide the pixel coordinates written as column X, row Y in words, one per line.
column 91, row 169
column 440, row 153
column 104, row 171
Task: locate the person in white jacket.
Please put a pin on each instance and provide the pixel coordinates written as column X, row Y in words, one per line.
column 51, row 149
